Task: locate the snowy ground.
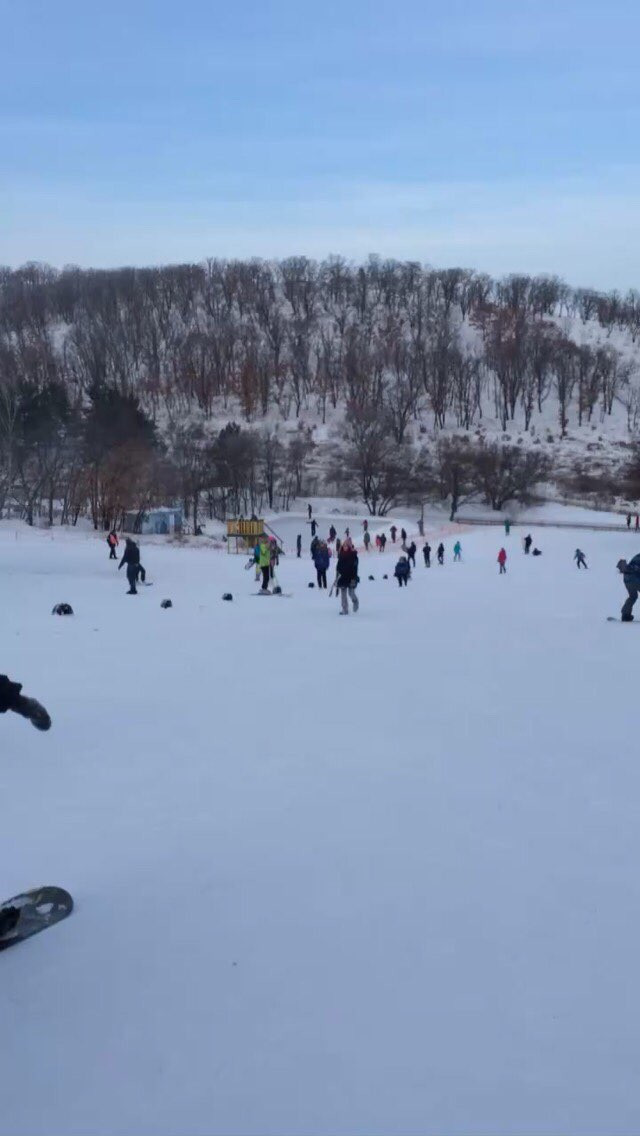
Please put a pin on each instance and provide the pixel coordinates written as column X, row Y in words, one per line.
column 365, row 875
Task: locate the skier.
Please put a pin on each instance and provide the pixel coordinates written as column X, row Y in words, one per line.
column 630, row 571
column 383, row 541
column 131, row 557
column 314, row 527
column 457, row 550
column 367, row 539
column 321, row 561
column 309, row 511
column 393, row 530
column 628, row 520
column 579, row 558
column 528, row 541
column 12, row 699
column 264, row 563
column 347, row 577
column 298, row 546
column 507, row 527
column 502, row 561
column 411, row 553
column 113, row 542
column 402, row 571
column 441, row 553
column 426, row 552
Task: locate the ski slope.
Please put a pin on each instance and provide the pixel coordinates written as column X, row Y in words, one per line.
column 375, row 874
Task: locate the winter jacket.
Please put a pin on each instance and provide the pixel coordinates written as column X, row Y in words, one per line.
column 264, row 554
column 131, row 554
column 502, row 556
column 112, row 540
column 321, row 558
column 402, row 570
column 9, row 693
column 347, row 569
column 633, row 570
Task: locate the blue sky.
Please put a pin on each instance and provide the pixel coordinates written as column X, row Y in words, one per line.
column 501, row 136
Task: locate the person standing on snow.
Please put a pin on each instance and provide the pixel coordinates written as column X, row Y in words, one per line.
column 11, row 698
column 264, row 562
column 403, row 539
column 347, row 577
column 383, row 541
column 411, row 553
column 630, row 571
column 441, row 553
column 527, row 542
column 402, row 571
column 367, row 539
column 113, row 542
column 131, row 557
column 309, row 511
column 299, row 546
column 314, row 527
column 321, row 562
column 502, row 561
column 507, row 527
column 393, row 530
column 457, row 550
column 332, row 533
column 378, row 542
column 579, row 558
column 426, row 552
column 628, row 520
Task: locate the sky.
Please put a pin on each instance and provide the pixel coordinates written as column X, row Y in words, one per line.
column 495, row 135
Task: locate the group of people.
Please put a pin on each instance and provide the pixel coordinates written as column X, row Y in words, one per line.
column 130, row 560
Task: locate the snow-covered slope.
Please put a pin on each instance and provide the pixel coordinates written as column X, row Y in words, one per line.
column 374, row 874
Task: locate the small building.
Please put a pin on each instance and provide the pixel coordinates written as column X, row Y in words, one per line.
column 162, row 521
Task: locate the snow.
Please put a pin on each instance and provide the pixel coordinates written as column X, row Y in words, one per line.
column 375, row 874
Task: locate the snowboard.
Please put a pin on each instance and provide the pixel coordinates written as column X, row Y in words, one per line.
column 33, row 911
column 616, row 619
column 287, row 595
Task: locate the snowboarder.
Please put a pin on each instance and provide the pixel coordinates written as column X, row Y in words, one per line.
column 393, row 530
column 298, row 546
column 411, row 553
column 628, row 520
column 367, row 539
column 630, row 571
column 321, row 561
column 11, row 698
column 441, row 553
column 383, row 541
column 131, row 557
column 309, row 511
column 507, row 527
column 426, row 552
column 113, row 542
column 347, row 577
column 579, row 558
column 502, row 561
column 402, row 571
column 264, row 562
column 528, row 541
column 457, row 550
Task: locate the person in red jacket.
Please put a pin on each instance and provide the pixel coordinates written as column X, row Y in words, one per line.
column 113, row 542
column 502, row 561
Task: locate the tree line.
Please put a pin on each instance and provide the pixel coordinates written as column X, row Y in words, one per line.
column 112, row 382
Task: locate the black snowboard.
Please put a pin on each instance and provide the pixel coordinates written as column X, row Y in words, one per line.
column 616, row 619
column 33, row 911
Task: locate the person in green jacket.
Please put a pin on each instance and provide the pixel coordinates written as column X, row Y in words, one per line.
column 457, row 550
column 264, row 562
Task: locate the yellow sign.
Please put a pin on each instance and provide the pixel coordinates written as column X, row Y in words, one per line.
column 245, row 528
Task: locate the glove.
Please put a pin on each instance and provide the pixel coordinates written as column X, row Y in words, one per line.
column 33, row 710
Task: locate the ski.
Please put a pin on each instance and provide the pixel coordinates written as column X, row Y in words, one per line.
column 33, row 911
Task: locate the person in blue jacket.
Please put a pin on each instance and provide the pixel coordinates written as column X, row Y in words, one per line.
column 321, row 562
column 631, row 576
